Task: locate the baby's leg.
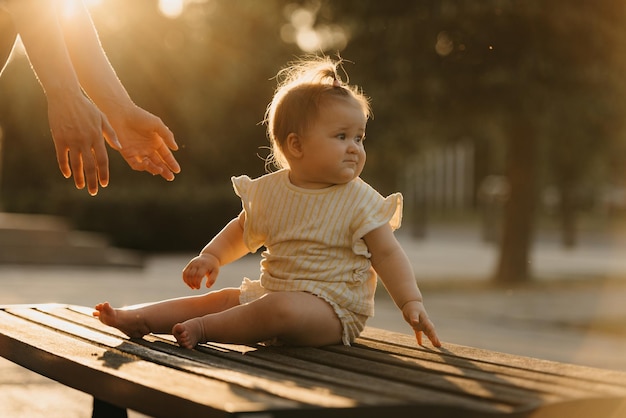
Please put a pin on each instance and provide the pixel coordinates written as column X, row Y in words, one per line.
column 295, row 318
column 160, row 317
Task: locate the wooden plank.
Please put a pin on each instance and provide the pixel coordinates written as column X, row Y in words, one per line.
column 480, row 357
column 270, row 364
column 214, row 370
column 383, row 374
column 475, row 370
column 606, row 396
column 254, row 376
column 525, row 389
column 456, row 383
column 368, row 386
column 123, row 380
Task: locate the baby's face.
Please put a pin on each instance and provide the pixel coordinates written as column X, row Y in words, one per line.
column 333, row 151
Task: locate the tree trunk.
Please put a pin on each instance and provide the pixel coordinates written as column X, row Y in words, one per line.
column 517, row 233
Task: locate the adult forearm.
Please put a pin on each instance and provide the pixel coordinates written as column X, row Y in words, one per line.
column 95, row 72
column 36, row 22
column 8, row 34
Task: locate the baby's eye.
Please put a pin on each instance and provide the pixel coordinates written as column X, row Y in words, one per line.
column 360, row 139
column 341, row 136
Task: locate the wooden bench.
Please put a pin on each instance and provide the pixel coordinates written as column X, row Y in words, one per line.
column 383, row 374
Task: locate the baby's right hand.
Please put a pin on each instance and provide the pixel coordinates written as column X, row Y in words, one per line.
column 203, row 265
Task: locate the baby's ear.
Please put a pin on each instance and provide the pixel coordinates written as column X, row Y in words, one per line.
column 294, row 145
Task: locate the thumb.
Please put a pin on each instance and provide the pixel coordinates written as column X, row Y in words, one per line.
column 211, row 277
column 109, row 134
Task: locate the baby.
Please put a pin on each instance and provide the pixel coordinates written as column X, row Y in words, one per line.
column 327, row 235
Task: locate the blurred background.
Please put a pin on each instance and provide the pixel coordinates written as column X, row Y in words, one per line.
column 504, row 115
column 501, row 122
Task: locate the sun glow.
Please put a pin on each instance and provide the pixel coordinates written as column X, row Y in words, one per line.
column 171, row 8
column 309, row 36
column 70, row 7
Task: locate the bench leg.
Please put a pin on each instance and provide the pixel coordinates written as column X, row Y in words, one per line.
column 102, row 409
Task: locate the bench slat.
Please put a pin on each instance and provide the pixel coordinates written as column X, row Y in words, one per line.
column 488, row 373
column 368, row 385
column 404, row 370
column 383, row 374
column 268, row 363
column 481, row 358
column 123, row 380
column 213, row 368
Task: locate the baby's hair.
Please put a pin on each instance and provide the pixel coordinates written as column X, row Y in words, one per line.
column 302, row 87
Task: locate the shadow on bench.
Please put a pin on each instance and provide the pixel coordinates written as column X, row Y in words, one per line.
column 382, row 374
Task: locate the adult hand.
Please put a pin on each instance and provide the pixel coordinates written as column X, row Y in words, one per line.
column 78, row 127
column 146, row 141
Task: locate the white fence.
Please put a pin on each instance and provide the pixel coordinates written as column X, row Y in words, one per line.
column 441, row 179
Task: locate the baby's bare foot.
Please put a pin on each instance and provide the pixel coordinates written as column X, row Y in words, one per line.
column 127, row 321
column 189, row 333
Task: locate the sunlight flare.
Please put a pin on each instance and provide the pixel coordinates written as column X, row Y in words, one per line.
column 171, row 8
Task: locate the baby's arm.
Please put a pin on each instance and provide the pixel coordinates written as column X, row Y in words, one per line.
column 227, row 246
column 393, row 266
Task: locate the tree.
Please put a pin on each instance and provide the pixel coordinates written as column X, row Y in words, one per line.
column 207, row 73
column 444, row 69
column 539, row 83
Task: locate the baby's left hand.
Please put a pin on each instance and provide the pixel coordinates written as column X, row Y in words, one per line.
column 415, row 314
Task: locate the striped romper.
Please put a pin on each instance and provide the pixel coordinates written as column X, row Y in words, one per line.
column 313, row 241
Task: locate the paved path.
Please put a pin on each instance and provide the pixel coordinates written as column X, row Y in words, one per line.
column 574, row 312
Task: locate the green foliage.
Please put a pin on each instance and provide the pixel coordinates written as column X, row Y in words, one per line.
column 207, row 74
column 449, row 70
column 438, row 71
column 167, row 219
column 156, row 218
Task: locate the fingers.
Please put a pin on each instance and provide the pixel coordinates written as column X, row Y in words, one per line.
column 87, row 161
column 101, row 173
column 211, row 277
column 63, row 160
column 147, row 143
column 195, row 281
column 168, row 168
column 424, row 325
column 199, row 268
column 193, row 275
column 167, row 136
column 165, row 159
column 415, row 315
column 432, row 336
column 76, row 164
column 152, row 164
column 168, row 158
column 90, row 167
column 156, row 164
